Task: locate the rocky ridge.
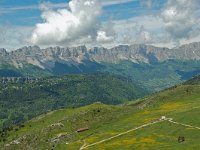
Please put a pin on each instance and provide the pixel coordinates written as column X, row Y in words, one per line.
column 46, row 58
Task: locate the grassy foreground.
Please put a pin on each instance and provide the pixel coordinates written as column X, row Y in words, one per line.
column 57, row 129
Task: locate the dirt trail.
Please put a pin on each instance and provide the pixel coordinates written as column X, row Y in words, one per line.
column 84, row 146
column 137, row 128
column 182, row 124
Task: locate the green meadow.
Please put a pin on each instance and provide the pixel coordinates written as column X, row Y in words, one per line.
column 57, row 129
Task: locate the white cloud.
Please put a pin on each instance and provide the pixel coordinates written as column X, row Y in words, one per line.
column 181, row 18
column 143, row 37
column 102, row 37
column 65, row 26
column 14, row 36
column 142, row 29
column 177, row 23
column 77, row 23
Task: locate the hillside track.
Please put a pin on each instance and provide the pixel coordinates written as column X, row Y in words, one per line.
column 182, row 124
column 120, row 134
column 84, row 146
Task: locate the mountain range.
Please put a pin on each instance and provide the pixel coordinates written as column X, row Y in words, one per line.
column 138, row 53
column 99, row 76
column 142, row 63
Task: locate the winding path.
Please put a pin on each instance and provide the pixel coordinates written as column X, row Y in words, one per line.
column 84, row 146
column 148, row 124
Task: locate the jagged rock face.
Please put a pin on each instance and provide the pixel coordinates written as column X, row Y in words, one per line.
column 189, row 51
column 3, row 52
column 119, row 53
column 46, row 58
column 134, row 53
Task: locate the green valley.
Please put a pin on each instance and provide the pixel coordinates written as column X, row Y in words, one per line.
column 140, row 119
column 152, row 76
column 20, row 101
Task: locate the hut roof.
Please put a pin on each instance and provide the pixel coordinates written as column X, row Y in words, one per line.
column 82, row 129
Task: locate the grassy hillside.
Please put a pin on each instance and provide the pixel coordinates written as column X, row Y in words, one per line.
column 194, row 81
column 57, row 130
column 23, row 101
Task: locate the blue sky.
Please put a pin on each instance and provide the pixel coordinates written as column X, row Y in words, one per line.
column 21, row 12
column 27, row 12
column 156, row 22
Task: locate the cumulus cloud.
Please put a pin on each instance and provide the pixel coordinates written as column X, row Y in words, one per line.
column 143, row 37
column 78, row 23
column 106, row 33
column 181, row 18
column 14, row 36
column 64, row 26
column 103, row 38
column 141, row 29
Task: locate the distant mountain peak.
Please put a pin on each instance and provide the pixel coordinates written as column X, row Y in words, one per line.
column 47, row 57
